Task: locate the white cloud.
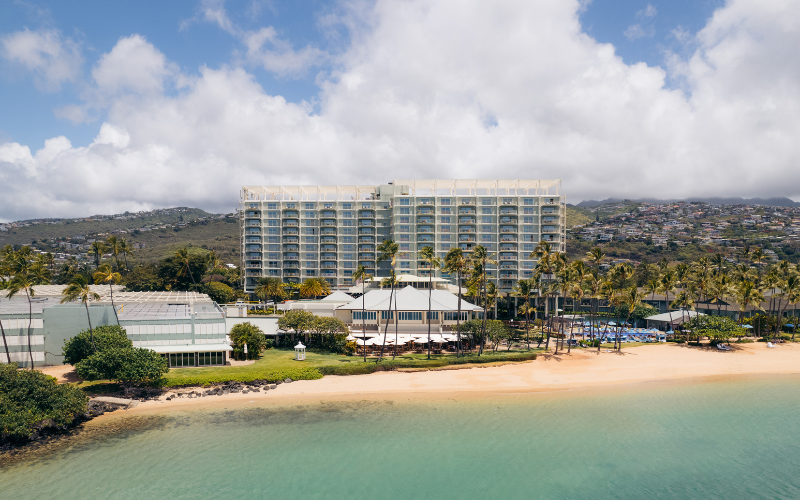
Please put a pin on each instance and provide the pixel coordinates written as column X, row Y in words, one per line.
column 52, row 59
column 133, row 65
column 636, row 31
column 266, row 49
column 649, row 11
column 421, row 94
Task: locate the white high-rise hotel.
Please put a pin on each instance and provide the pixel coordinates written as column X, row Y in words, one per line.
column 300, row 232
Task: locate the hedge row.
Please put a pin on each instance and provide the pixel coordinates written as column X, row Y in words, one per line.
column 389, row 365
column 307, row 373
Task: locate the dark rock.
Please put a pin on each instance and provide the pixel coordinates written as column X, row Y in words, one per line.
column 288, row 381
column 273, row 386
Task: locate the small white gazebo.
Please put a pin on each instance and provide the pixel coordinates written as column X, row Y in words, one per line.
column 299, row 352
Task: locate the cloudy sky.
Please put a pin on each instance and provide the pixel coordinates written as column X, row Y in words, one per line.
column 114, row 106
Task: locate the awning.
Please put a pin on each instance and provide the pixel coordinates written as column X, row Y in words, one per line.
column 167, row 349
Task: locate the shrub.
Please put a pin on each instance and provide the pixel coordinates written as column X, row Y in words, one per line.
column 31, row 401
column 79, row 347
column 390, row 365
column 744, row 341
column 247, row 333
column 129, row 366
column 305, row 373
column 220, row 292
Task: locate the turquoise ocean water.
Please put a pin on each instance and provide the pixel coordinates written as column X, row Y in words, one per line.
column 734, row 439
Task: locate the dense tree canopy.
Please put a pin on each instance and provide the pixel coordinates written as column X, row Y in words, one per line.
column 79, row 347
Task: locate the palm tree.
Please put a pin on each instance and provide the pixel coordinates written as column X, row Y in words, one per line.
column 387, row 250
column 684, row 301
column 596, row 256
column 114, row 245
column 97, row 250
column 314, row 287
column 361, row 274
column 593, row 285
column 26, row 276
column 667, row 286
column 747, row 294
column 525, row 289
column 105, row 274
column 632, row 298
column 272, row 288
column 126, row 249
column 213, row 261
column 182, row 256
column 457, row 262
column 428, row 255
column 480, row 256
column 79, row 289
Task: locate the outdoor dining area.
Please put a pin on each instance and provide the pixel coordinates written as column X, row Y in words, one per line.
column 405, row 343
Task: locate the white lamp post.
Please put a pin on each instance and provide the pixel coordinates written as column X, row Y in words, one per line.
column 299, row 352
column 245, row 350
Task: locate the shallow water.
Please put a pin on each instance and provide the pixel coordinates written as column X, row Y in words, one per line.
column 735, row 439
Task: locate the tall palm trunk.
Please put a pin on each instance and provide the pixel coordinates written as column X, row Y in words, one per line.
column 386, row 329
column 111, row 290
column 89, row 318
column 485, row 312
column 30, row 323
column 458, row 319
column 527, row 321
column 363, row 320
column 430, row 304
column 5, row 342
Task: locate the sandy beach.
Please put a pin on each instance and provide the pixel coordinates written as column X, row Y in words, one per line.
column 580, row 369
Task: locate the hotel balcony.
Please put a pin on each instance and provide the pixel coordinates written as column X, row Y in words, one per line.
column 425, row 211
column 328, row 248
column 508, row 276
column 291, row 265
column 366, row 248
column 508, row 220
column 253, row 265
column 508, row 211
column 424, row 202
column 253, row 272
column 549, row 211
column 328, row 266
column 367, row 264
column 512, row 201
column 425, row 220
column 366, row 214
column 466, row 229
column 508, row 266
column 365, row 230
column 508, row 257
column 466, row 220
column 508, row 248
column 466, row 247
column 508, row 229
column 328, row 232
column 466, row 211
column 508, row 238
column 466, row 239
column 253, row 215
column 549, row 220
column 328, row 223
column 366, row 223
column 252, row 240
column 290, row 223
column 331, row 240
column 366, row 256
column 327, row 256
column 253, row 223
column 366, row 239
column 549, row 229
column 467, row 202
column 551, row 202
column 425, row 229
column 327, row 214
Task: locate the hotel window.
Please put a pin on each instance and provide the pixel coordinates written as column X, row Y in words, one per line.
column 445, row 220
column 409, row 316
column 487, row 201
column 405, row 265
column 347, row 256
column 486, row 210
column 528, row 210
column 366, row 205
column 527, row 201
column 273, row 239
column 291, row 205
column 486, row 220
column 405, row 237
column 273, row 255
column 274, row 248
column 387, row 314
column 527, row 265
column 309, row 206
column 347, row 248
column 432, row 314
column 311, row 265
column 425, row 201
column 487, row 229
column 405, row 201
column 272, row 206
column 404, row 220
column 311, row 256
column 404, row 229
column 367, row 315
column 445, row 246
column 349, row 265
column 310, row 215
column 486, row 237
column 348, row 223
column 445, row 237
column 404, row 255
column 348, row 239
column 348, row 230
column 310, row 272
column 347, row 215
column 327, row 205
column 527, row 247
column 272, row 215
column 527, row 220
column 445, row 210
column 444, row 201
column 347, row 206
column 445, row 229
column 405, row 210
column 254, row 205
column 310, row 248
column 527, row 229
column 273, row 222
column 308, row 230
column 405, row 246
column 508, row 201
column 452, row 316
